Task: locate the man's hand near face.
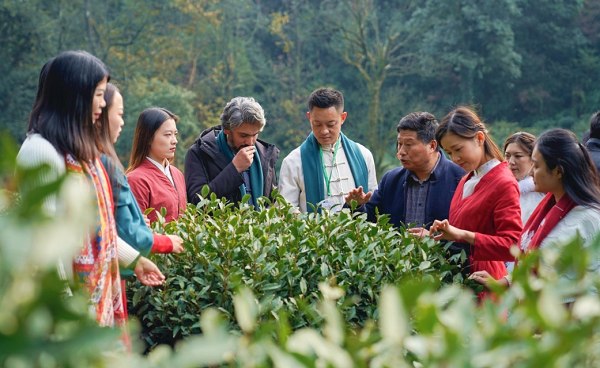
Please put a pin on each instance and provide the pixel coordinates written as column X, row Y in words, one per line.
column 244, row 158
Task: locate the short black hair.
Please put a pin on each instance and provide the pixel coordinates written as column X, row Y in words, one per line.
column 595, row 125
column 424, row 123
column 324, row 98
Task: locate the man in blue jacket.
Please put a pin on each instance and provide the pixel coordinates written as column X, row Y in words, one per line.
column 420, row 191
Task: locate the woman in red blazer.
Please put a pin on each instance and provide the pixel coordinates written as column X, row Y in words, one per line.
column 485, row 213
column 155, row 183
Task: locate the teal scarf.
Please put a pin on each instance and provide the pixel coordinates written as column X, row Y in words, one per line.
column 256, row 174
column 312, row 166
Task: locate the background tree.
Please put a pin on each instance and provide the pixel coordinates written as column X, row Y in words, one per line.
column 377, row 41
column 529, row 65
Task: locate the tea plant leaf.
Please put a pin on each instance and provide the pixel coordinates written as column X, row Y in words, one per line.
column 205, row 191
column 245, row 309
column 392, row 323
column 424, row 265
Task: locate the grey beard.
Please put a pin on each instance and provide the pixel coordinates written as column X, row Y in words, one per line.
column 233, row 148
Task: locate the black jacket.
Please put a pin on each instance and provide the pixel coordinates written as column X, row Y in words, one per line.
column 206, row 165
column 593, row 146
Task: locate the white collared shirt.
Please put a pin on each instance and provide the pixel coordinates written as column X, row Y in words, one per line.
column 291, row 177
column 342, row 180
column 164, row 169
column 469, row 186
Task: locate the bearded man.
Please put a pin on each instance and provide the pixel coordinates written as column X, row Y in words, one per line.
column 230, row 158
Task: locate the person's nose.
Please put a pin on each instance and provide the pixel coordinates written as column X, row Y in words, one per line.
column 174, row 141
column 401, row 150
column 102, row 103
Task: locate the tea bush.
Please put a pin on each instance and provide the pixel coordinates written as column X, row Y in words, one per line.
column 420, row 326
column 453, row 329
column 281, row 256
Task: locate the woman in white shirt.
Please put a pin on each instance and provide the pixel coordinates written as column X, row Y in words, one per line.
column 517, row 152
column 562, row 167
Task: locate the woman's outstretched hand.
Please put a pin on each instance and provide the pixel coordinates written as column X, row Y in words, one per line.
column 484, row 278
column 148, row 273
column 445, row 231
column 177, row 243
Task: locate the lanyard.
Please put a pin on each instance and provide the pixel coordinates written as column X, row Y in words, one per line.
column 328, row 179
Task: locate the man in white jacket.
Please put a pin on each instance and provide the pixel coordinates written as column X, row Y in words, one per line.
column 324, row 169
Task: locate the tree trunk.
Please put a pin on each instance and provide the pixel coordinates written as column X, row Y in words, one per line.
column 88, row 20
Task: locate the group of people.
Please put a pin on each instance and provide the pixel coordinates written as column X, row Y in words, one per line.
column 454, row 182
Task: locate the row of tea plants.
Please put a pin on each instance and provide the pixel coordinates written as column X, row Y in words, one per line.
column 282, row 257
column 454, row 330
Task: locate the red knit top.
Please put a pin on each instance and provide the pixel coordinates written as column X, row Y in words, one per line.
column 493, row 213
column 152, row 189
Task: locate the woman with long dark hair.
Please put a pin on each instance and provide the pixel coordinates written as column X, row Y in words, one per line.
column 485, row 214
column 131, row 226
column 62, row 135
column 563, row 168
column 154, row 182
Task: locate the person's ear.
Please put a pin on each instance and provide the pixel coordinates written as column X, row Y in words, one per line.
column 481, row 137
column 344, row 115
column 558, row 172
column 308, row 115
column 432, row 145
column 226, row 131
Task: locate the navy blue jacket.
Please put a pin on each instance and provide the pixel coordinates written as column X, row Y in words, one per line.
column 390, row 198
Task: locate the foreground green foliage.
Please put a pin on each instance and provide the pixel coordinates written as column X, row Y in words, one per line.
column 453, row 330
column 418, row 323
column 38, row 325
column 282, row 257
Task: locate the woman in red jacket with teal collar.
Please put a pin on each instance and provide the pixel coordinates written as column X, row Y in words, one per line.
column 156, row 183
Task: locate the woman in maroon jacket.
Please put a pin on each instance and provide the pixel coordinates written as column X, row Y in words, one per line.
column 485, row 213
column 155, row 183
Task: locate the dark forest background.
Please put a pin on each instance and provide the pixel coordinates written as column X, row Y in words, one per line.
column 526, row 64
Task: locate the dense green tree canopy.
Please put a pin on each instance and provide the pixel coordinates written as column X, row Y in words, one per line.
column 528, row 64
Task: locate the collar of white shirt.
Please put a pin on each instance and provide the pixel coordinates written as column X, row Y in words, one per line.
column 164, row 169
column 331, row 147
column 486, row 168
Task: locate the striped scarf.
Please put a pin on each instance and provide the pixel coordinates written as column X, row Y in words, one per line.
column 96, row 265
